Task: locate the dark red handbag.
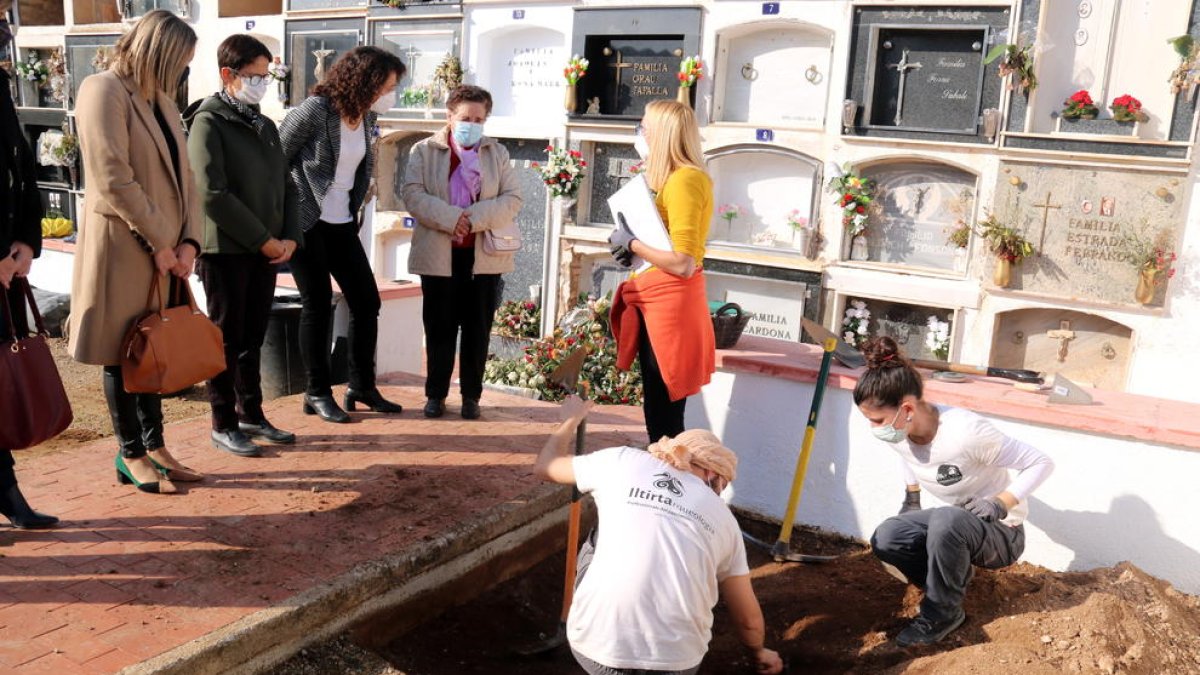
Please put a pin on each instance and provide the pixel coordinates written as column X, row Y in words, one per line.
column 33, row 404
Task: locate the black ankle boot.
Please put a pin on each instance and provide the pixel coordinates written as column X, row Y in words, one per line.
column 13, row 505
column 372, row 399
column 326, row 408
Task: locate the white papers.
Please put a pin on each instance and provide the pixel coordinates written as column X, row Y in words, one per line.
column 636, row 204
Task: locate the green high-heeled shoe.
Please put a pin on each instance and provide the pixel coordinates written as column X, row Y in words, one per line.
column 125, row 477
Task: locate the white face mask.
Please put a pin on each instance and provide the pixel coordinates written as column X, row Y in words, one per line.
column 384, row 103
column 251, row 94
column 888, row 433
column 641, row 147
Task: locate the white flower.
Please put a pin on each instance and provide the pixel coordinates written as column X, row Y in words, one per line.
column 848, row 336
column 862, row 328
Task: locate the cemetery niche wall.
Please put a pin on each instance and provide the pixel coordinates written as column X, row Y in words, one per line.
column 313, row 45
column 777, row 297
column 1089, row 350
column 423, row 45
column 916, row 206
column 522, row 67
column 764, row 197
column 773, row 73
column 1089, row 228
column 634, row 56
column 918, row 72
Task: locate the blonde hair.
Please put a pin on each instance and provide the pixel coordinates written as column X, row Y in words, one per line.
column 675, row 142
column 698, row 447
column 154, row 53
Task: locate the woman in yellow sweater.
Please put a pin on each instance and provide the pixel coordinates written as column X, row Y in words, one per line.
column 662, row 314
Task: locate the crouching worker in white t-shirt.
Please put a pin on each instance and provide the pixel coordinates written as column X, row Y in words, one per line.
column 667, row 544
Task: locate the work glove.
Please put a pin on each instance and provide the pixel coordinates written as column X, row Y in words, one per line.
column 621, row 240
column 912, row 502
column 989, row 510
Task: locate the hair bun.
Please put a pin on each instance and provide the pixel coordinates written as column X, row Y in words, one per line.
column 883, row 352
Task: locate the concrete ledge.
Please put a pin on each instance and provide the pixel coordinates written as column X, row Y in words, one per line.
column 265, row 638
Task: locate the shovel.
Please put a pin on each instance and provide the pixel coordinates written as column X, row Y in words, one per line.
column 566, row 375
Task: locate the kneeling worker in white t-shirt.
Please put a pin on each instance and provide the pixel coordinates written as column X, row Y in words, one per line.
column 667, row 544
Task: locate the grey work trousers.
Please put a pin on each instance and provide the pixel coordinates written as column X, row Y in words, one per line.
column 935, row 549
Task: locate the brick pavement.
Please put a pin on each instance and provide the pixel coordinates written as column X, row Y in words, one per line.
column 128, row 575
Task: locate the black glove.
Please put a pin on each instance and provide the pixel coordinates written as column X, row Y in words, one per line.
column 989, row 510
column 621, row 238
column 912, row 501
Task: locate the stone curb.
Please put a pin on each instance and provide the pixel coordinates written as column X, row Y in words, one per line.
column 269, row 636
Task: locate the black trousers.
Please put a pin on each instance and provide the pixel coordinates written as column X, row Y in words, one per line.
column 462, row 302
column 935, row 549
column 664, row 417
column 137, row 418
column 240, row 289
column 334, row 249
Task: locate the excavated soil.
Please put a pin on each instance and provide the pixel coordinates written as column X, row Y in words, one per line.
column 840, row 617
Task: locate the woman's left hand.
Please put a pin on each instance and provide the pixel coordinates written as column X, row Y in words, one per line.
column 185, row 257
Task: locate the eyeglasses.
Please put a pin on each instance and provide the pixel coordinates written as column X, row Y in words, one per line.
column 252, row 80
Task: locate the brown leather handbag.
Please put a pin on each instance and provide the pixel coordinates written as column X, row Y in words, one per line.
column 171, row 348
column 33, row 404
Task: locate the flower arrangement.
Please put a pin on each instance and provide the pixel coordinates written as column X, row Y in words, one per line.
column 691, row 70
column 937, row 337
column 855, row 195
column 103, row 59
column 518, row 319
column 1151, row 256
column 33, row 69
column 576, row 68
column 58, row 148
column 1079, row 106
column 55, row 225
column 56, row 64
column 1187, row 73
column 1003, row 241
column 796, row 220
column 1126, row 108
column 395, row 4
column 637, row 169
column 449, row 73
column 278, row 70
column 730, row 212
column 1017, row 61
column 414, row 97
column 960, row 236
column 563, row 171
column 855, row 323
column 599, row 380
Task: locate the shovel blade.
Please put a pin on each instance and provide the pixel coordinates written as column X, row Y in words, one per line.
column 844, row 354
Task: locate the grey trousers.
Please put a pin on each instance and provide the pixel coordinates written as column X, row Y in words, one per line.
column 935, row 549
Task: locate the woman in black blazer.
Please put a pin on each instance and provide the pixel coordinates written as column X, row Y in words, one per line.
column 20, row 243
column 327, row 142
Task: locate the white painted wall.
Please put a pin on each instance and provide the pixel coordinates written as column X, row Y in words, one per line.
column 1108, row 500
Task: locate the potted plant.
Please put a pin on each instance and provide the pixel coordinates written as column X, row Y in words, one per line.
column 279, row 71
column 937, row 338
column 691, row 70
column 855, row 195
column 576, row 68
column 1186, row 73
column 1079, row 107
column 1007, row 245
column 448, row 75
column 1154, row 261
column 1127, row 109
column 563, row 172
column 1016, row 61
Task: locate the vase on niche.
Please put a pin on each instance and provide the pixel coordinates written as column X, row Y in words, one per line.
column 1002, row 275
column 960, row 260
column 569, row 99
column 1144, row 293
column 281, row 92
column 858, row 248
column 684, row 95
column 802, row 241
column 566, row 209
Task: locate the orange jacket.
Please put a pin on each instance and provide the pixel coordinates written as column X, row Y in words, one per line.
column 678, row 323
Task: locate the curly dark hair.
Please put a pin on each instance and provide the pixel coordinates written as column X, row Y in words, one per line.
column 353, row 82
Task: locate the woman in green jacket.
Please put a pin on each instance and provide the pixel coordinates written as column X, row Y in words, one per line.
column 250, row 228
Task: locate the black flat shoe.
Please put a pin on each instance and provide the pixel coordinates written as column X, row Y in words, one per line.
column 265, row 431
column 470, row 409
column 326, row 408
column 236, row 442
column 20, row 514
column 435, row 407
column 372, row 399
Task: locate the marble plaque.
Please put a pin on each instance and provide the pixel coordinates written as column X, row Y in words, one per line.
column 610, row 171
column 916, row 207
column 776, row 75
column 1080, row 222
column 626, row 73
column 1089, row 350
column 525, row 75
column 774, row 317
column 927, row 79
column 530, row 260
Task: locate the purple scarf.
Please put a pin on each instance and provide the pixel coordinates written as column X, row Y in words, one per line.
column 465, row 181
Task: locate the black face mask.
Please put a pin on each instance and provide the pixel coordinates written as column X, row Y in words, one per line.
column 183, row 77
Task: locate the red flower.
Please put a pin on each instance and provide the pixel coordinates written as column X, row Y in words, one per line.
column 682, row 77
column 1127, row 101
column 860, row 210
column 1081, row 97
column 582, row 163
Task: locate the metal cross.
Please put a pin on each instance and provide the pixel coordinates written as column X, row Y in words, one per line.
column 617, row 74
column 1064, row 334
column 1045, row 217
column 902, row 66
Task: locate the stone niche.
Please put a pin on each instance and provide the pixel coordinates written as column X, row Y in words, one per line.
column 767, row 184
column 917, row 205
column 313, row 46
column 41, row 12
column 523, row 71
column 773, row 73
column 1082, row 223
column 611, row 167
column 907, row 324
column 530, row 261
column 1088, row 349
column 634, row 55
column 87, row 55
column 422, row 45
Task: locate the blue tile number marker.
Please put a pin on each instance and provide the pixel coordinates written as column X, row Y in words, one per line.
column 770, row 8
column 409, row 222
column 518, row 14
column 764, row 135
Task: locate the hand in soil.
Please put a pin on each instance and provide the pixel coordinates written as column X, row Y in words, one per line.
column 769, row 662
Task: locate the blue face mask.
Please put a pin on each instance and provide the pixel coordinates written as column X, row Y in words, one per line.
column 467, row 134
column 888, row 433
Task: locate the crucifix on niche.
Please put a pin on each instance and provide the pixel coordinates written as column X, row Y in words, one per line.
column 631, row 72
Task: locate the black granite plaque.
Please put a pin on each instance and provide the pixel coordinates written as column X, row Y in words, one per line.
column 530, row 261
column 610, row 171
column 928, row 79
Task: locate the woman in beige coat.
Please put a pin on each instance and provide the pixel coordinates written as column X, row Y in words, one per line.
column 142, row 218
column 458, row 185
